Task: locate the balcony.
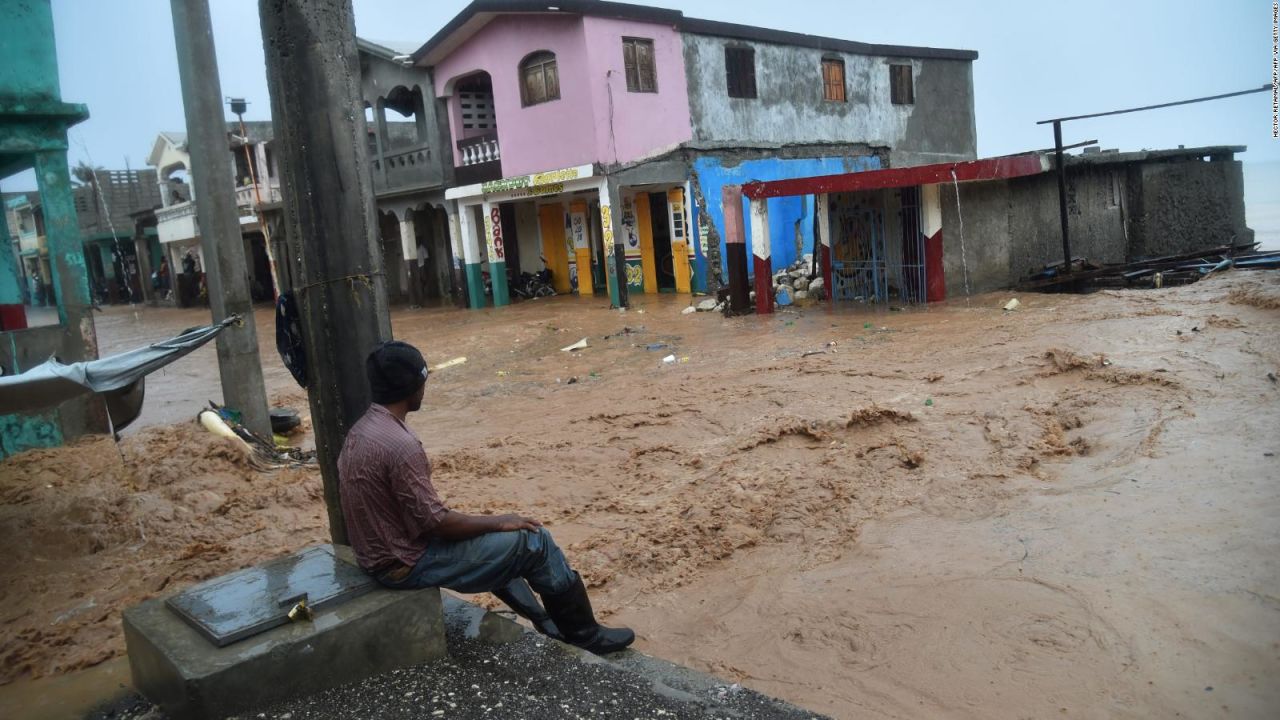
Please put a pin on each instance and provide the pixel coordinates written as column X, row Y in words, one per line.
column 247, row 200
column 481, row 159
column 405, row 167
column 177, row 222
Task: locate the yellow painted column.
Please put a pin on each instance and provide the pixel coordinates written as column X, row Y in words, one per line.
column 551, row 226
column 581, row 246
column 681, row 250
column 644, row 227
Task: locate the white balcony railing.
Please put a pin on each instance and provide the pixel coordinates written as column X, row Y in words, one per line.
column 480, row 149
column 173, row 212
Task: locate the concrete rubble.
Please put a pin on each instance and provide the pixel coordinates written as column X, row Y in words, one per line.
column 798, row 281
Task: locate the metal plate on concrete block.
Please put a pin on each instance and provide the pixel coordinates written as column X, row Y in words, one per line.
column 254, row 600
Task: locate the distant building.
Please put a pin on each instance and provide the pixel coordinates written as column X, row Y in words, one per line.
column 257, row 186
column 993, row 222
column 593, row 138
column 104, row 206
column 410, row 166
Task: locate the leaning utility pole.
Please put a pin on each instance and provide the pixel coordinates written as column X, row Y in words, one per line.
column 227, row 274
column 313, row 72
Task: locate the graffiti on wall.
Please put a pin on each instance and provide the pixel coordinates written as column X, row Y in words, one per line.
column 578, row 230
column 493, row 230
column 606, row 223
column 635, row 274
column 631, row 235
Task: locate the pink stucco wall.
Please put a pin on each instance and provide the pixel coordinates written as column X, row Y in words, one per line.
column 642, row 123
column 575, row 129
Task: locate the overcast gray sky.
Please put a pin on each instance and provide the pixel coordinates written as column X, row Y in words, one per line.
column 1037, row 60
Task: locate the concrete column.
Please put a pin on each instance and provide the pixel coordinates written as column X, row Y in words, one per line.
column 495, row 241
column 822, row 208
column 761, row 255
column 380, row 117
column 313, row 73
column 735, row 244
column 470, row 236
column 70, row 277
column 379, row 141
column 226, row 270
column 461, row 283
column 142, row 251
column 615, row 253
column 409, row 251
column 408, row 238
column 13, row 316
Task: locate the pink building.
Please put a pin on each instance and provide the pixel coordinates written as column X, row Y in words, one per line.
column 585, row 133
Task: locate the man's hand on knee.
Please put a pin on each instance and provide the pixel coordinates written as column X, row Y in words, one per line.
column 508, row 523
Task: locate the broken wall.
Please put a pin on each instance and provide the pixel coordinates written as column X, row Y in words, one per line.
column 1188, row 205
column 1097, row 210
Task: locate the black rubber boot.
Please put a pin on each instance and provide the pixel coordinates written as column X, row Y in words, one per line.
column 519, row 597
column 571, row 611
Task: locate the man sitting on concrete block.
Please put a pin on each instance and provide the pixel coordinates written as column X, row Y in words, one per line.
column 405, row 537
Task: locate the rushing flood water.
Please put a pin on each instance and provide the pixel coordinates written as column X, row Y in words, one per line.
column 1063, row 511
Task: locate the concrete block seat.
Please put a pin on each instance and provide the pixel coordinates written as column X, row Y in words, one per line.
column 181, row 667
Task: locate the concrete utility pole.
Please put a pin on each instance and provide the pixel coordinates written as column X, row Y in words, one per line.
column 313, row 72
column 226, row 273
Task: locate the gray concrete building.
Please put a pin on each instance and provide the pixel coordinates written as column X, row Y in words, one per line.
column 411, row 163
column 1121, row 207
column 913, row 103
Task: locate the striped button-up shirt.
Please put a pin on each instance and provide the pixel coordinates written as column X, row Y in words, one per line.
column 388, row 500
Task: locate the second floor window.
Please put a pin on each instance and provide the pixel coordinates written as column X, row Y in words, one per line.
column 539, row 80
column 833, row 80
column 900, row 90
column 637, row 59
column 740, row 71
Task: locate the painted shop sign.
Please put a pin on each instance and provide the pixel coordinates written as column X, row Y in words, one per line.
column 521, row 182
column 537, row 190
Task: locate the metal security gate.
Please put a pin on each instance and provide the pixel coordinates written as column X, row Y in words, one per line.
column 914, row 289
column 857, row 256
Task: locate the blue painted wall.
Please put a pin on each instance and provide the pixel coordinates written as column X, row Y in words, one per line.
column 713, row 175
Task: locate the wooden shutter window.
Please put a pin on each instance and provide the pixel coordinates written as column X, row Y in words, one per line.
column 740, row 71
column 637, row 60
column 833, row 80
column 539, row 79
column 900, row 90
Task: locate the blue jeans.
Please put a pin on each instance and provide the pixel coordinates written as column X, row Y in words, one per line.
column 490, row 561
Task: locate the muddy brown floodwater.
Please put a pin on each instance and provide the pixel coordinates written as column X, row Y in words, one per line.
column 1070, row 510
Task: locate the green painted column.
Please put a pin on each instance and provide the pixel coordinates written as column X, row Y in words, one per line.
column 475, row 286
column 66, row 253
column 498, row 279
column 611, row 228
column 462, row 221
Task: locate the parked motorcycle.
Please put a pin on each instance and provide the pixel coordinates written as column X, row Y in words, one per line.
column 526, row 286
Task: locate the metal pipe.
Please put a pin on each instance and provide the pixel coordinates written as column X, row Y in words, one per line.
column 1062, row 195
